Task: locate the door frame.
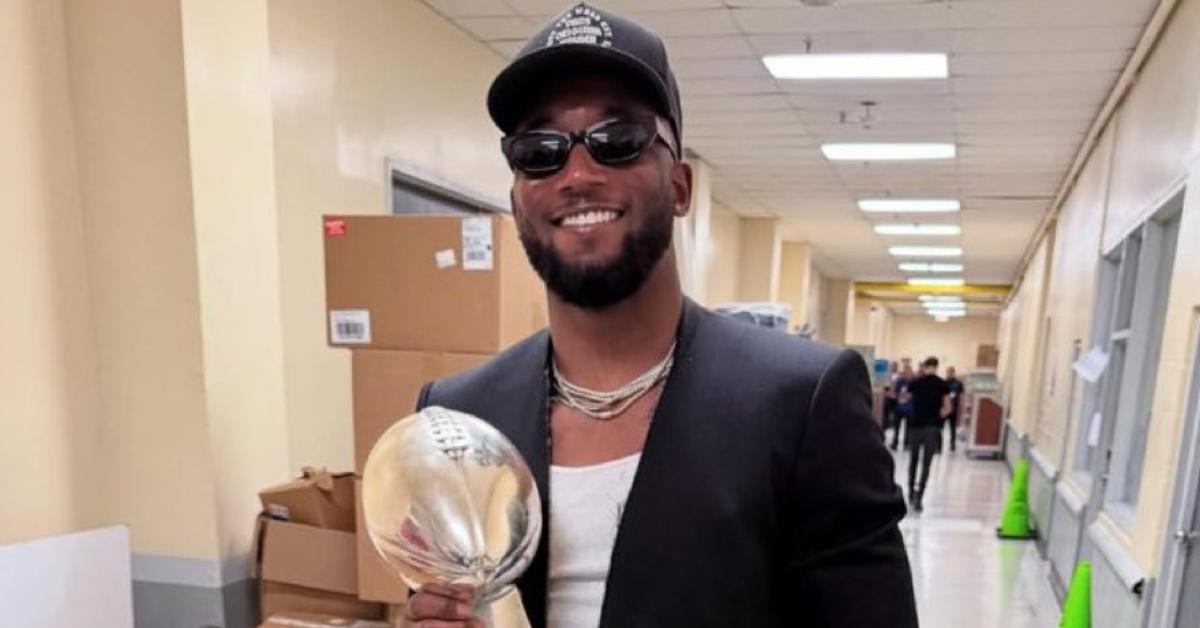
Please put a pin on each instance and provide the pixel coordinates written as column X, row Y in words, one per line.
column 1185, row 498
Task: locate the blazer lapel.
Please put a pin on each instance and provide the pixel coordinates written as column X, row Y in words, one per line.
column 650, row 482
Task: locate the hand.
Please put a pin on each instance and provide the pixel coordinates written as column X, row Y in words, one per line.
column 441, row 606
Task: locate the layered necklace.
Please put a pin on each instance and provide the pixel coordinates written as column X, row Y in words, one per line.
column 605, row 405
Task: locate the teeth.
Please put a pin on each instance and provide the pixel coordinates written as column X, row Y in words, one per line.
column 589, row 218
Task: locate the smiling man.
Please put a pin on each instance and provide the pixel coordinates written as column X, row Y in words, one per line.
column 696, row 471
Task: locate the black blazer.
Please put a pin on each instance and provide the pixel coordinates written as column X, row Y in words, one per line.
column 764, row 495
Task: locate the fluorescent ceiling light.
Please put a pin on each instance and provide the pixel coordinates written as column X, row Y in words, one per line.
column 859, row 66
column 888, row 151
column 947, row 315
column 926, row 251
column 922, row 267
column 935, row 305
column 937, row 281
column 917, row 230
column 913, row 205
column 940, row 298
column 942, row 318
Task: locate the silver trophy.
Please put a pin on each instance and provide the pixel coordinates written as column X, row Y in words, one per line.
column 448, row 499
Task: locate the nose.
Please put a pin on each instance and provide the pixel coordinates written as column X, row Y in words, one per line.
column 580, row 171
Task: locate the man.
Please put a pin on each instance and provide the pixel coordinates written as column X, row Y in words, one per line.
column 956, row 390
column 695, row 471
column 903, row 399
column 930, row 402
column 889, row 397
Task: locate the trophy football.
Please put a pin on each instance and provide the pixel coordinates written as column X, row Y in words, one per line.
column 448, row 499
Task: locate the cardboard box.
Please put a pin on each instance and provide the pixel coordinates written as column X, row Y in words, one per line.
column 310, row 569
column 318, row 498
column 317, row 620
column 429, row 283
column 376, row 581
column 386, row 385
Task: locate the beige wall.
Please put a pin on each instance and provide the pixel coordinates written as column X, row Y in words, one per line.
column 725, row 230
column 1072, row 282
column 833, row 321
column 1149, row 149
column 231, row 151
column 1023, row 381
column 795, row 270
column 129, row 105
column 354, row 84
column 759, row 260
column 49, row 458
column 953, row 343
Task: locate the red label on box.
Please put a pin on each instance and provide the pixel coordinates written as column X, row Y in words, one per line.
column 335, row 226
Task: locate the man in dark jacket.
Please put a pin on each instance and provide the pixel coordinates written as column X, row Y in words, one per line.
column 695, row 471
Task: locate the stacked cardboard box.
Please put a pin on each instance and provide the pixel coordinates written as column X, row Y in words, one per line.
column 417, row 298
column 307, row 551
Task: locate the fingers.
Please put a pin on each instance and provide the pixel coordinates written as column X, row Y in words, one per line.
column 440, row 606
column 436, row 623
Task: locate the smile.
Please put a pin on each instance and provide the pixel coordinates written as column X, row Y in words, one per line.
column 588, row 218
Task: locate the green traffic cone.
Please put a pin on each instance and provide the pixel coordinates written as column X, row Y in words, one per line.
column 1077, row 607
column 1014, row 521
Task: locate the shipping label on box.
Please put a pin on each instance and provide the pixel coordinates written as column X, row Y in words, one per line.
column 350, row 327
column 477, row 244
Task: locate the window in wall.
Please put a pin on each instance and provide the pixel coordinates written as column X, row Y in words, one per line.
column 1130, row 308
column 416, row 192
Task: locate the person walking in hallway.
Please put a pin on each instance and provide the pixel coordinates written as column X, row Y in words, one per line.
column 903, row 399
column 956, row 390
column 930, row 403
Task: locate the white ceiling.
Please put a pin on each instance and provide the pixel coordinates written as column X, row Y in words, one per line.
column 1027, row 79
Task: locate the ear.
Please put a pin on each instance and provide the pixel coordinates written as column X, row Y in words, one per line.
column 681, row 187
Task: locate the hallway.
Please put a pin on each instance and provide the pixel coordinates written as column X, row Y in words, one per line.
column 964, row 575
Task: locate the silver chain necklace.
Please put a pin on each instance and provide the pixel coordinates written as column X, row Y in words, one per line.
column 606, row 405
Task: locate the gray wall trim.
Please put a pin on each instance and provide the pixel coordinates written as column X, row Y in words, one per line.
column 1070, row 499
column 1117, row 556
column 193, row 572
column 159, row 605
column 1044, row 465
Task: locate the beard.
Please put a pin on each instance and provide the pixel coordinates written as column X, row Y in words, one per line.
column 599, row 286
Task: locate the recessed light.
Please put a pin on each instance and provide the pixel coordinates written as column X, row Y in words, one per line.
column 940, row 298
column 922, row 267
column 888, row 151
column 859, row 66
column 917, row 230
column 937, row 281
column 926, row 251
column 909, row 205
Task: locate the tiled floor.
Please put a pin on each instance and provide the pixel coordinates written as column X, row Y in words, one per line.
column 964, row 576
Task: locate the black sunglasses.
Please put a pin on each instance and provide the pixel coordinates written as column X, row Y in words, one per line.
column 542, row 152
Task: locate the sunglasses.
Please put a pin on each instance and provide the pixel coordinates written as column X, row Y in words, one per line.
column 542, row 152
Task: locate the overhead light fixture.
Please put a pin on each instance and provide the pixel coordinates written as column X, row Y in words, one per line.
column 917, row 230
column 937, row 281
column 940, row 298
column 909, row 205
column 869, row 66
column 936, row 305
column 926, row 251
column 890, row 151
column 922, row 267
column 947, row 315
column 942, row 318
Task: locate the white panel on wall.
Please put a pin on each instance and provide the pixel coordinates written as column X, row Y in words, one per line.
column 70, row 580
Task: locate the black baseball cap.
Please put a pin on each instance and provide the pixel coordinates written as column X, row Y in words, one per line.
column 587, row 40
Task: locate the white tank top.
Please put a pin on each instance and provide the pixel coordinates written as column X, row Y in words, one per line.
column 586, row 504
